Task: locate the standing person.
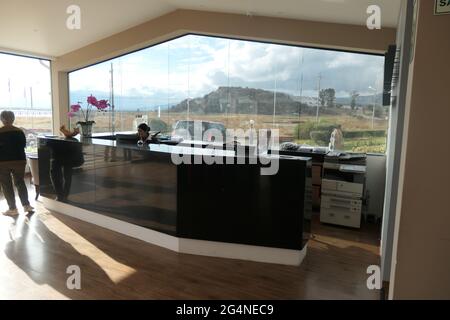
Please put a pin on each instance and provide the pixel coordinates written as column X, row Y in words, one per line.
column 12, row 164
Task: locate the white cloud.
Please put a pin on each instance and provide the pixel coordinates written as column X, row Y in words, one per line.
column 22, row 78
column 196, row 65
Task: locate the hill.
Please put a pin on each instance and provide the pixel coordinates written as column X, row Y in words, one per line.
column 240, row 100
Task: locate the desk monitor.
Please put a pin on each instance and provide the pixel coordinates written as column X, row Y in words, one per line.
column 130, row 137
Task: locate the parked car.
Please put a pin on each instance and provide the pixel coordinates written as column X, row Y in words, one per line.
column 185, row 129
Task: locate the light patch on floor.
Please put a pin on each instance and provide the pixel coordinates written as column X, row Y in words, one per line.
column 116, row 271
column 11, row 229
column 37, row 250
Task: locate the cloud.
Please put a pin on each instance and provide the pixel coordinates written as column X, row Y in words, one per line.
column 193, row 66
column 22, row 78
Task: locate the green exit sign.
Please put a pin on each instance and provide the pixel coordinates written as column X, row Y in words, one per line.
column 442, row 7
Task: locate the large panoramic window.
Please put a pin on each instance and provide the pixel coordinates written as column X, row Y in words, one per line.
column 305, row 93
column 25, row 89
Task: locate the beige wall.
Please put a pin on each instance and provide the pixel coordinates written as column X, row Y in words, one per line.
column 421, row 253
column 326, row 35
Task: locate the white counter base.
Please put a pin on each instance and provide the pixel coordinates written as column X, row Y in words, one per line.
column 182, row 245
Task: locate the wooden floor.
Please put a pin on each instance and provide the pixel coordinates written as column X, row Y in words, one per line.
column 37, row 250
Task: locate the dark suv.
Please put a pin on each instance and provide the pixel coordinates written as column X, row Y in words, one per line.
column 185, row 129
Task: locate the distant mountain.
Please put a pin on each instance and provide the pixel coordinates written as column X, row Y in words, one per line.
column 224, row 99
column 240, row 100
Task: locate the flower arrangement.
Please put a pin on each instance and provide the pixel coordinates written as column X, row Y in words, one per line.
column 86, row 124
column 92, row 102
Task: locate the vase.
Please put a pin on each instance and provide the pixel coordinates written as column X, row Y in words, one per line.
column 86, row 129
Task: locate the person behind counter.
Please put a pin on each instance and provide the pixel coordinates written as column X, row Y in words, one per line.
column 144, row 132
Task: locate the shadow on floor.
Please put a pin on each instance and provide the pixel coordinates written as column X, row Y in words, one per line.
column 332, row 269
column 45, row 257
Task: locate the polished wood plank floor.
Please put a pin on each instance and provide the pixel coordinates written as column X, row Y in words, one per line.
column 37, row 249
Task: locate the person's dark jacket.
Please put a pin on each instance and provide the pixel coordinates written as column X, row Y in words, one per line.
column 12, row 144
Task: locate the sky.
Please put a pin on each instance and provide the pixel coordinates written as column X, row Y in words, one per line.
column 22, row 78
column 192, row 66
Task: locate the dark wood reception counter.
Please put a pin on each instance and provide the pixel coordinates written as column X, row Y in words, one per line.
column 227, row 208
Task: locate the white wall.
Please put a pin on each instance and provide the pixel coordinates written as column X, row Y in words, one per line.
column 421, row 247
column 394, row 148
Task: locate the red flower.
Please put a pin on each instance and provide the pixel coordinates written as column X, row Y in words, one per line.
column 75, row 107
column 102, row 104
column 92, row 100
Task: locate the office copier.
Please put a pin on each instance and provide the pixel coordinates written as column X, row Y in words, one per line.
column 343, row 180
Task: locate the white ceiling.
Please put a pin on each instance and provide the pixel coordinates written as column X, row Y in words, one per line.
column 39, row 26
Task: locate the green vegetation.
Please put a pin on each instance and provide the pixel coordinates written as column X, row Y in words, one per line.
column 372, row 145
column 357, row 140
column 305, row 130
column 327, row 97
column 320, row 137
column 364, row 134
column 353, row 96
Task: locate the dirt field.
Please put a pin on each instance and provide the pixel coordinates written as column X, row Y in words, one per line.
column 286, row 125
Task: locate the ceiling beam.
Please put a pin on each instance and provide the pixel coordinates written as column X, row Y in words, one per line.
column 278, row 30
column 27, row 54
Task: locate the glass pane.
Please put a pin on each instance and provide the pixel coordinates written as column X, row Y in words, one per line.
column 95, row 81
column 340, row 91
column 313, row 97
column 25, row 89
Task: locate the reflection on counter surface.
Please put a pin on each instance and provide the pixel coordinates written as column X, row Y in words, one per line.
column 219, row 202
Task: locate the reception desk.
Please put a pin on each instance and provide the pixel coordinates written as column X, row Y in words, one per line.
column 225, row 210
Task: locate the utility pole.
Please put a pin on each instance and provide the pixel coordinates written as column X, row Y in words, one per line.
column 188, row 107
column 31, row 98
column 113, row 113
column 301, row 86
column 373, row 104
column 274, row 102
column 31, row 107
column 9, row 90
column 274, row 95
column 318, row 98
column 373, row 110
column 188, row 81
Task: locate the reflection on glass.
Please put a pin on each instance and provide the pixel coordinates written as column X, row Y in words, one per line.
column 64, row 157
column 235, row 84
